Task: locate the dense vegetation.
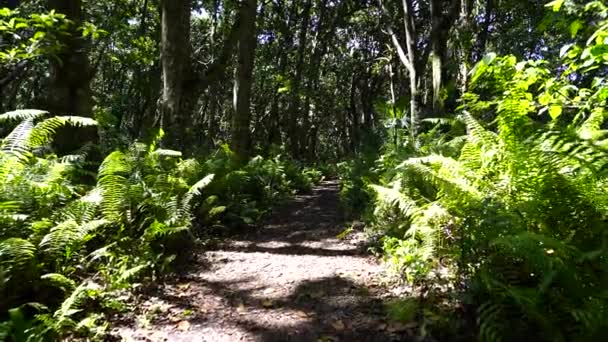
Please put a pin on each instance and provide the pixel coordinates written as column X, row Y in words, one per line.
column 470, row 137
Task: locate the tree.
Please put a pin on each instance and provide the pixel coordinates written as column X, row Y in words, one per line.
column 71, row 74
column 176, row 66
column 241, row 136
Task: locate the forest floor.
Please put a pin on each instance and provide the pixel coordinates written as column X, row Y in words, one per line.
column 292, row 279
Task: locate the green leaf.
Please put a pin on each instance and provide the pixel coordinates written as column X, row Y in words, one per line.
column 216, row 211
column 555, row 5
column 599, row 51
column 544, row 99
column 564, row 50
column 575, row 27
column 5, row 12
column 555, row 111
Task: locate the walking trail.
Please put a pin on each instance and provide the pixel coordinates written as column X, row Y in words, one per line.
column 292, row 279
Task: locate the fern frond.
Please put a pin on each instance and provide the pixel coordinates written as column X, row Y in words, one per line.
column 16, row 143
column 201, row 184
column 166, row 153
column 16, row 253
column 63, row 317
column 477, row 133
column 114, row 185
column 23, row 114
column 43, row 132
column 65, row 238
column 394, row 197
column 59, row 280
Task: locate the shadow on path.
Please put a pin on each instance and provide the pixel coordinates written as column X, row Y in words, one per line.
column 291, row 280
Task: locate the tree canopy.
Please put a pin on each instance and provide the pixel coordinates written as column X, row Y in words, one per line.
column 468, row 135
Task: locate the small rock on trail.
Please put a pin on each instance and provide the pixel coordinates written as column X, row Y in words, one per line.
column 291, row 280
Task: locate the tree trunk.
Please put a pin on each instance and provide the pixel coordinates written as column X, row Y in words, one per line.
column 286, row 42
column 175, row 59
column 437, row 53
column 241, row 135
column 410, row 36
column 70, row 88
column 320, row 42
column 294, row 108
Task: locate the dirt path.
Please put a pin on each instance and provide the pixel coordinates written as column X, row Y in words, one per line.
column 291, row 280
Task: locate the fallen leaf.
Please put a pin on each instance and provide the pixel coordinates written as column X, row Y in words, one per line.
column 381, row 326
column 158, row 336
column 269, row 291
column 267, row 303
column 338, row 325
column 184, row 286
column 302, row 314
column 241, row 309
column 396, row 327
column 183, row 325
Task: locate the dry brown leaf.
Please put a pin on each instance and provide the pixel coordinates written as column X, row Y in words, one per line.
column 396, row 327
column 302, row 314
column 338, row 325
column 158, row 336
column 267, row 303
column 241, row 309
column 183, row 325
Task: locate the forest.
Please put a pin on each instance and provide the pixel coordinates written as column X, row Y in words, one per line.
column 303, row 170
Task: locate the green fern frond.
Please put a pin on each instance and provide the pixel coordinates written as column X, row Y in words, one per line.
column 114, row 185
column 201, row 184
column 16, row 253
column 16, row 143
column 44, row 131
column 477, row 133
column 447, row 173
column 166, row 153
column 489, row 320
column 23, row 114
column 64, row 316
column 394, row 197
column 67, row 237
column 130, row 273
column 59, row 280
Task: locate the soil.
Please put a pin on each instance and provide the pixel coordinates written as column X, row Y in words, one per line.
column 292, row 279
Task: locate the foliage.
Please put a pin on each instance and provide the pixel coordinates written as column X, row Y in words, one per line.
column 516, row 210
column 78, row 245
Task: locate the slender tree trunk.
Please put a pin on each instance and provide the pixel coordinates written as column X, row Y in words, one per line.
column 319, row 44
column 441, row 24
column 285, row 44
column 241, row 135
column 410, row 37
column 485, row 31
column 437, row 53
column 175, row 59
column 294, row 108
column 354, row 128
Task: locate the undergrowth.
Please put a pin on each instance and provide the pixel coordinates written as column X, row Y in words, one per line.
column 504, row 204
column 69, row 249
